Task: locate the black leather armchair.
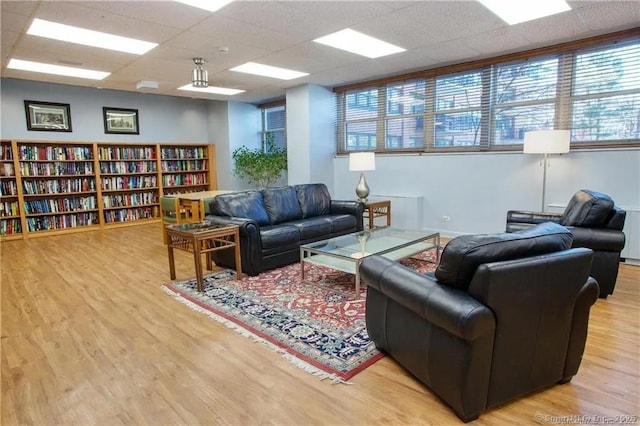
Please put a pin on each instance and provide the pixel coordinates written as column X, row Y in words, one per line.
column 503, row 316
column 595, row 222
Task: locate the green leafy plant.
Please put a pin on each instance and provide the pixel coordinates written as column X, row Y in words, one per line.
column 262, row 167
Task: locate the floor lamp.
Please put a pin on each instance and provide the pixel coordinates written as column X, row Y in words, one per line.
column 546, row 142
column 362, row 162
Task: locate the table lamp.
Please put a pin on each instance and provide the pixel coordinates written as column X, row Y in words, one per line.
column 546, row 142
column 361, row 162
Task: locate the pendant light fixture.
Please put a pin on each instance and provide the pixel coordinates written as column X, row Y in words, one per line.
column 199, row 76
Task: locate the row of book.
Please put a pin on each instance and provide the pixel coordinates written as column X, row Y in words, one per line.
column 53, row 153
column 6, row 169
column 56, row 169
column 8, row 187
column 183, row 165
column 125, row 153
column 9, row 208
column 64, row 221
column 128, row 167
column 58, row 186
column 127, row 200
column 184, row 179
column 10, row 226
column 128, row 182
column 60, row 205
column 128, row 215
column 5, row 152
column 183, row 153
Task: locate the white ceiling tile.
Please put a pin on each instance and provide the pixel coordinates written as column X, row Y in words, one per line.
column 280, row 33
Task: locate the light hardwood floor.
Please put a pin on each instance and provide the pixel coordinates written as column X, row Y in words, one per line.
column 89, row 337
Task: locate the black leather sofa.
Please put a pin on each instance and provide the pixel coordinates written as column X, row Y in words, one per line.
column 595, row 222
column 503, row 315
column 274, row 222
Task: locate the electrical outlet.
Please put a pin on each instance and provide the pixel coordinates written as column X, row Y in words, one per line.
column 446, row 218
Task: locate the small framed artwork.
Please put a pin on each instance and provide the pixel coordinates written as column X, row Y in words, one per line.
column 48, row 116
column 120, row 121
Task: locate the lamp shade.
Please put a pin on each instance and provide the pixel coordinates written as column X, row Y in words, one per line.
column 547, row 142
column 362, row 161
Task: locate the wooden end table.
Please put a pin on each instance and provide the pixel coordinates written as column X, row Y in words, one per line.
column 377, row 208
column 199, row 238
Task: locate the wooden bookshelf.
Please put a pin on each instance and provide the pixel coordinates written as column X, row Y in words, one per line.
column 59, row 191
column 51, row 187
column 128, row 183
column 11, row 223
column 187, row 168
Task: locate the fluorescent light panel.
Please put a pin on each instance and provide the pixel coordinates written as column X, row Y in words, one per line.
column 18, row 64
column 68, row 33
column 211, row 89
column 514, row 12
column 358, row 43
column 210, row 5
column 268, row 71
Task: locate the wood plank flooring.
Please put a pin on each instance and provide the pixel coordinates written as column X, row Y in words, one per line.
column 88, row 337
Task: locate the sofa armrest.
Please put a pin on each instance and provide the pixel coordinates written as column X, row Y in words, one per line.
column 517, row 220
column 597, row 239
column 250, row 241
column 354, row 208
column 450, row 309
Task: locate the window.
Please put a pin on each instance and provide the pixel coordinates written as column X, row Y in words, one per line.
column 525, row 99
column 606, row 94
column 457, row 113
column 591, row 87
column 404, row 124
column 274, row 123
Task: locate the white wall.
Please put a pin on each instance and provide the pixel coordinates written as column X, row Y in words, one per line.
column 161, row 118
column 476, row 190
column 310, row 134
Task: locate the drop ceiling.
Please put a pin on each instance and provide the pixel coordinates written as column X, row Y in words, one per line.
column 281, row 33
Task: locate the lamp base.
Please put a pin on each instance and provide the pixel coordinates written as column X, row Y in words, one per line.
column 362, row 190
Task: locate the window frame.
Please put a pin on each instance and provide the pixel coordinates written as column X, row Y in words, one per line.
column 563, row 102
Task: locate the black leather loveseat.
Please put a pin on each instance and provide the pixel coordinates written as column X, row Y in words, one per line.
column 274, row 222
column 503, row 316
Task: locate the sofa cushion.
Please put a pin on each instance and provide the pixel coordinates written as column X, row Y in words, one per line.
column 247, row 204
column 462, row 255
column 281, row 204
column 314, row 199
column 342, row 223
column 279, row 237
column 588, row 209
column 313, row 228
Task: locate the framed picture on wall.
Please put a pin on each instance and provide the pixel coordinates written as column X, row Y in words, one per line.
column 120, row 121
column 48, row 116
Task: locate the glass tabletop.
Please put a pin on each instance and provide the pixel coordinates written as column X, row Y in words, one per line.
column 365, row 243
column 197, row 226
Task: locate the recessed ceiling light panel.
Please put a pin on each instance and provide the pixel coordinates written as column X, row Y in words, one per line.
column 514, row 12
column 210, row 5
column 269, row 71
column 18, row 64
column 68, row 33
column 211, row 89
column 358, row 43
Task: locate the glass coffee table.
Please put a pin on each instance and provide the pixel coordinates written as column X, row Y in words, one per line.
column 345, row 253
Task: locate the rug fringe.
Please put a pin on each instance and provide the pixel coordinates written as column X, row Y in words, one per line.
column 303, row 365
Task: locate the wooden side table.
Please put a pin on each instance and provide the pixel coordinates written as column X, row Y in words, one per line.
column 377, row 208
column 199, row 238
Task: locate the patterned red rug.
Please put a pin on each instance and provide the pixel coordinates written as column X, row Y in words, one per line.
column 318, row 324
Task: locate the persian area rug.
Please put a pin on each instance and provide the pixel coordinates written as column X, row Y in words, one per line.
column 318, row 324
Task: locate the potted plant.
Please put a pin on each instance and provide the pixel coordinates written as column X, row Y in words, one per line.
column 262, row 167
